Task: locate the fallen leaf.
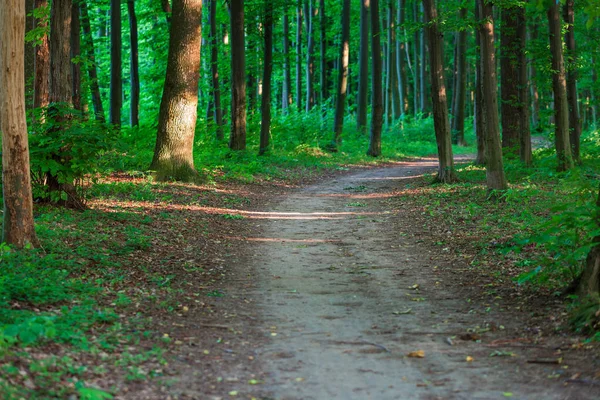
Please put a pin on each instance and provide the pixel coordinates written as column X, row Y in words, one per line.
column 407, row 311
column 416, row 354
column 469, row 359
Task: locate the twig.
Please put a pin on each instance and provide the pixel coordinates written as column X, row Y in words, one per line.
column 541, row 361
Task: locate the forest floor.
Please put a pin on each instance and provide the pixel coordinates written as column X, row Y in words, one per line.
column 340, row 289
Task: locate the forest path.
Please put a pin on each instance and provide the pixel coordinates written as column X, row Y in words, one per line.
column 337, row 273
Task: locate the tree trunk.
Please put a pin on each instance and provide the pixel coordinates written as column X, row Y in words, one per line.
column 342, row 86
column 60, row 52
column 92, row 68
column 512, row 108
column 363, row 74
column 460, row 85
column 441, row 122
column 310, row 59
column 376, row 82
column 237, row 139
column 42, row 65
column 400, row 71
column 323, row 62
column 75, row 53
column 214, row 66
column 559, row 86
column 525, row 124
column 30, row 24
column 299, row 55
column 116, row 64
column 574, row 118
column 532, row 35
column 416, row 61
column 423, row 68
column 265, row 126
column 480, row 133
column 286, row 94
column 589, row 281
column 18, row 228
column 493, row 151
column 134, row 111
column 173, row 154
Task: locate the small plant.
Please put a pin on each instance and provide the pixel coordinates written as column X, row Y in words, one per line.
column 233, row 216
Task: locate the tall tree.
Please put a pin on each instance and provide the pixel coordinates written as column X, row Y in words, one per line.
column 75, row 53
column 495, row 177
column 559, row 87
column 214, row 67
column 324, row 92
column 42, row 64
column 460, row 84
column 572, row 98
column 478, row 103
column 376, row 82
column 265, row 126
column 116, row 64
column 18, row 228
column 134, row 109
column 237, row 140
column 310, row 59
column 91, row 58
column 60, row 52
column 363, row 74
column 438, row 95
column 342, row 86
column 523, row 91
column 173, row 153
column 286, row 92
column 400, row 49
column 299, row 55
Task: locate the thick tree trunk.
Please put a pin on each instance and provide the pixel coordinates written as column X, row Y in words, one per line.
column 441, row 122
column 214, row 67
column 559, row 86
column 572, row 98
column 376, row 82
column 286, row 93
column 363, row 74
column 480, row 133
column 495, row 177
column 18, row 228
column 92, row 68
column 265, row 126
column 134, row 108
column 310, row 59
column 173, row 154
column 324, row 92
column 60, row 52
column 237, row 139
column 75, row 53
column 116, row 64
column 342, row 86
column 460, row 85
column 41, row 84
column 299, row 55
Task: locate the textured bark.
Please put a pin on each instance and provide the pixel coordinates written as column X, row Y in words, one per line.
column 116, row 64
column 589, row 281
column 525, row 124
column 299, row 55
column 324, row 92
column 495, row 177
column 173, row 154
column 265, row 108
column 532, row 35
column 441, row 122
column 41, row 86
column 460, row 85
column 286, row 93
column 75, row 53
column 134, row 108
column 422, row 66
column 376, row 82
column 509, row 73
column 416, row 68
column 214, row 67
column 363, row 74
column 394, row 95
column 60, row 52
column 342, row 86
column 310, row 59
column 29, row 55
column 18, row 228
column 572, row 98
column 478, row 106
column 92, row 68
column 559, row 87
column 237, row 139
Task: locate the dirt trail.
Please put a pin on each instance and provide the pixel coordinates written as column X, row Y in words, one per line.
column 346, row 295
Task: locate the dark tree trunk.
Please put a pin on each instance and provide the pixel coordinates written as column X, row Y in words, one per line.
column 495, row 177
column 525, row 124
column 460, row 85
column 116, row 64
column 60, row 52
column 323, row 49
column 92, row 69
column 237, row 140
column 423, row 69
column 265, row 126
column 18, row 227
column 173, row 154
column 166, row 7
column 559, row 86
column 214, row 67
column 478, row 106
column 589, row 281
column 416, row 61
column 574, row 118
column 363, row 74
column 512, row 108
column 400, row 59
column 134, row 111
column 310, row 60
column 342, row 86
column 443, row 137
column 532, row 35
column 286, row 95
column 299, row 55
column 376, row 82
column 75, row 53
column 42, row 65
column 30, row 23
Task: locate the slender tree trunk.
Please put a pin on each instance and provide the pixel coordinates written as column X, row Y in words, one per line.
column 92, row 68
column 446, row 172
column 30, row 24
column 310, row 61
column 116, row 64
column 387, row 65
column 394, row 62
column 18, row 228
column 510, row 72
column 572, row 98
column 134, row 109
column 42, row 65
column 480, row 133
column 237, row 140
column 287, row 78
column 400, row 59
column 423, row 69
column 214, row 67
column 523, row 92
column 460, row 86
column 75, row 53
column 495, row 177
column 363, row 74
column 559, row 85
column 376, row 82
column 173, row 154
column 299, row 55
column 342, row 87
column 532, row 36
column 324, row 93
column 265, row 126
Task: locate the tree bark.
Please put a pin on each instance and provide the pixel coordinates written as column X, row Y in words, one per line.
column 60, row 52
column 400, row 59
column 559, row 86
column 75, row 53
column 480, row 133
column 134, row 108
column 376, row 82
column 265, row 126
column 299, row 55
column 173, row 154
column 460, row 85
column 512, row 108
column 286, row 94
column 92, row 68
column 310, row 59
column 18, row 228
column 532, row 35
column 363, row 74
column 589, row 280
column 41, row 85
column 441, row 122
column 342, row 84
column 116, row 64
column 423, row 69
column 572, row 98
column 495, row 177
column 237, row 139
column 324, row 92
column 523, row 91
column 214, row 67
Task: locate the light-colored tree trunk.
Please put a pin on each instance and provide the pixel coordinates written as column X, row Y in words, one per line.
column 376, row 82
column 265, row 126
column 310, row 57
column 299, row 55
column 18, row 228
column 41, row 84
column 237, row 140
column 572, row 98
column 342, row 86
